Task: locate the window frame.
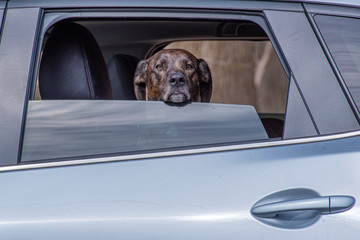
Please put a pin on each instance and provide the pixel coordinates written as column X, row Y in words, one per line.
column 15, row 69
column 52, row 17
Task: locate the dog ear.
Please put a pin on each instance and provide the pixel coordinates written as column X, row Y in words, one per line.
column 205, row 81
column 140, row 80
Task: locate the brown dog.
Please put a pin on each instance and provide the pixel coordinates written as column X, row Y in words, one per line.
column 173, row 76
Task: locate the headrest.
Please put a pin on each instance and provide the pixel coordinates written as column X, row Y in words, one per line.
column 72, row 65
column 121, row 70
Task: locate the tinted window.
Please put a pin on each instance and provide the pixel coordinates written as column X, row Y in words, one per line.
column 342, row 37
column 72, row 128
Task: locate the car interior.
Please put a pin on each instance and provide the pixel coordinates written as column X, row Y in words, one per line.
column 123, row 43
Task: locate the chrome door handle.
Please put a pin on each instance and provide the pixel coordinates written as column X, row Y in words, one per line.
column 324, row 205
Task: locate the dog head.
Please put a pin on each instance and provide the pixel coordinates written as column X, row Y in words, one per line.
column 173, row 76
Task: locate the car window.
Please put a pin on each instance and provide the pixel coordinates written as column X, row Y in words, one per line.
column 342, row 37
column 248, row 99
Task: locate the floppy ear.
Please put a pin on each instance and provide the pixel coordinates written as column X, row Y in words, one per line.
column 205, row 81
column 140, row 80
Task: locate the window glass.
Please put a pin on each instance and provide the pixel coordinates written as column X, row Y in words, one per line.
column 74, row 128
column 342, row 37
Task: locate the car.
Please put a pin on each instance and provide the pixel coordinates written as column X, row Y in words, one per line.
column 274, row 154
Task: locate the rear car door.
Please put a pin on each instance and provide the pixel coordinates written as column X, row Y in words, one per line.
column 292, row 188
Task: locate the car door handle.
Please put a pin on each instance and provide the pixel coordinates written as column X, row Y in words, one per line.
column 324, row 205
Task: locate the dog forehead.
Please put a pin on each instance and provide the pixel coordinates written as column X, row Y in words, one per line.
column 173, row 55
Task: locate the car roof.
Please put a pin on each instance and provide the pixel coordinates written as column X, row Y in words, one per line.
column 167, row 3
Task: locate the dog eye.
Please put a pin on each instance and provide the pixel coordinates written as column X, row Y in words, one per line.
column 159, row 66
column 188, row 67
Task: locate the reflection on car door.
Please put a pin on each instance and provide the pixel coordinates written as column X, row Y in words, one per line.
column 195, row 196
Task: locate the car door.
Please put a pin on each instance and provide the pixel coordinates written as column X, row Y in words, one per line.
column 303, row 186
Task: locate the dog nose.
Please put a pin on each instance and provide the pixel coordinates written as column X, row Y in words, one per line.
column 177, row 79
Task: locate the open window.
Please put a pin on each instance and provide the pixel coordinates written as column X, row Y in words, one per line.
column 248, row 101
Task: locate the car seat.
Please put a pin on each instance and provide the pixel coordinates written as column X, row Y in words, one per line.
column 121, row 69
column 72, row 65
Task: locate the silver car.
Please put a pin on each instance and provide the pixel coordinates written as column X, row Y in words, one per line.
column 274, row 155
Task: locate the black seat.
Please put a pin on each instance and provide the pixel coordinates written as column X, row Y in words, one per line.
column 121, row 70
column 72, row 65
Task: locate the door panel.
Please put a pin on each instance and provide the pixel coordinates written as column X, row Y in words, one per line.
column 196, row 196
